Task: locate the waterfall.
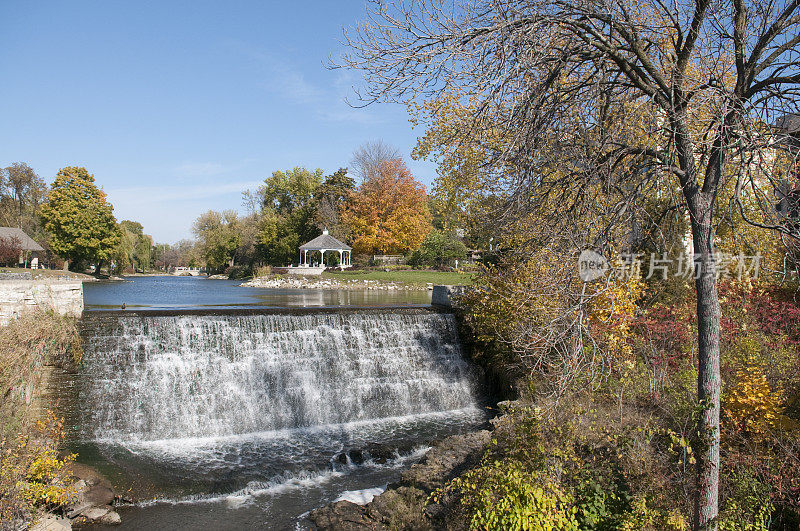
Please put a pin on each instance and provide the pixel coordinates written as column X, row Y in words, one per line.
column 152, row 377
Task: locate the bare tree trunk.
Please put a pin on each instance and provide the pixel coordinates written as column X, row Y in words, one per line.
column 708, row 375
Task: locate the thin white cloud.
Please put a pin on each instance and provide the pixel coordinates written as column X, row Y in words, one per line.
column 167, row 212
column 279, row 76
column 286, row 80
column 292, row 85
column 173, row 193
column 202, row 169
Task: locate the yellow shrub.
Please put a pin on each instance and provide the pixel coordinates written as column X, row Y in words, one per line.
column 502, row 495
column 642, row 516
column 31, row 473
column 613, row 309
column 751, row 405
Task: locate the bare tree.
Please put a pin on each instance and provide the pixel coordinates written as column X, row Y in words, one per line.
column 21, row 193
column 614, row 95
column 368, row 157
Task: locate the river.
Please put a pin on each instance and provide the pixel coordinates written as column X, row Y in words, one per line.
column 171, row 292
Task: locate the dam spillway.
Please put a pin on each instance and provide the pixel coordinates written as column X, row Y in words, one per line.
column 204, row 375
column 293, row 408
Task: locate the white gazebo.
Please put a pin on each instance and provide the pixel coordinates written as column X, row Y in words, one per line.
column 323, row 244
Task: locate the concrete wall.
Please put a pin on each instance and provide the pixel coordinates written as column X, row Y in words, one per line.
column 307, row 271
column 443, row 295
column 18, row 295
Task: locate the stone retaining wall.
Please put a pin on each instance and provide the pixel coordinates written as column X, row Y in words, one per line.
column 443, row 295
column 18, row 295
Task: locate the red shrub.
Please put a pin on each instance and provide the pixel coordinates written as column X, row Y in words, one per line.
column 669, row 331
column 9, row 251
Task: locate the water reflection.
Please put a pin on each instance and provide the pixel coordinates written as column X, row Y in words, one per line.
column 170, row 292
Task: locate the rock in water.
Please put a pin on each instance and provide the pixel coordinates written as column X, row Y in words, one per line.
column 404, row 506
column 111, row 518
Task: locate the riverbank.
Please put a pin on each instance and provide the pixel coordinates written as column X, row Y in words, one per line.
column 41, row 488
column 393, row 280
column 327, row 283
column 49, row 274
column 404, row 505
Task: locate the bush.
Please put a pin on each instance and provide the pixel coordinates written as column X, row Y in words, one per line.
column 262, row 271
column 747, row 503
column 31, row 473
column 10, row 248
column 439, row 249
column 503, row 495
column 239, row 272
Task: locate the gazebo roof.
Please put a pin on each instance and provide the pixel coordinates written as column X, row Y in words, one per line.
column 789, row 123
column 26, row 242
column 326, row 242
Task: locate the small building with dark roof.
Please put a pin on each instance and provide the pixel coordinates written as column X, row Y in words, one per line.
column 26, row 244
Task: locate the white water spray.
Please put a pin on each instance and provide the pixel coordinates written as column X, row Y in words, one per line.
column 157, row 377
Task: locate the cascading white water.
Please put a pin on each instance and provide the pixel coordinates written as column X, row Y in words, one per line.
column 167, row 377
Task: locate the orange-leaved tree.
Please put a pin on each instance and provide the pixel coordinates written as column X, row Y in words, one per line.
column 389, row 212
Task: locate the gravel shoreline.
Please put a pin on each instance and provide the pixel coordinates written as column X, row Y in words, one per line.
column 299, row 282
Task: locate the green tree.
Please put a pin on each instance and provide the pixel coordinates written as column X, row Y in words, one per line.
column 22, row 192
column 80, row 219
column 134, row 249
column 218, row 237
column 439, row 249
column 288, row 210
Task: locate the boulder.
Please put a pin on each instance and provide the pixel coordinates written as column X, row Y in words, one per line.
column 98, row 495
column 93, row 497
column 51, row 522
column 95, row 513
column 403, row 505
column 447, row 459
column 111, row 518
column 343, row 516
column 380, row 453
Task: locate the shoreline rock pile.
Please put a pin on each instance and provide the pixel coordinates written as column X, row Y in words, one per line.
column 300, row 282
column 403, row 505
column 92, row 502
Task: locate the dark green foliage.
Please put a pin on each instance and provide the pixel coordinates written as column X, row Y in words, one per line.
column 288, row 215
column 439, row 249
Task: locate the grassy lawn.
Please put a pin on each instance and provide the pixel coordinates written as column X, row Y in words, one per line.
column 405, row 276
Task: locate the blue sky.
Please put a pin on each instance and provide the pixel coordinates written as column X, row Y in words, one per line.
column 177, row 107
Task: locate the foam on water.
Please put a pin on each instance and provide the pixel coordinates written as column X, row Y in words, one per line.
column 361, row 497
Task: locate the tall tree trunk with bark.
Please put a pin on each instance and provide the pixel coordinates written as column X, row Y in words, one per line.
column 708, row 375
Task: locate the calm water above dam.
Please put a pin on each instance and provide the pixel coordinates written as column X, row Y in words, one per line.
column 175, row 293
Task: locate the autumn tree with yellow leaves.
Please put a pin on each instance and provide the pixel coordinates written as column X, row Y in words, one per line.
column 557, row 76
column 388, row 213
column 79, row 218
